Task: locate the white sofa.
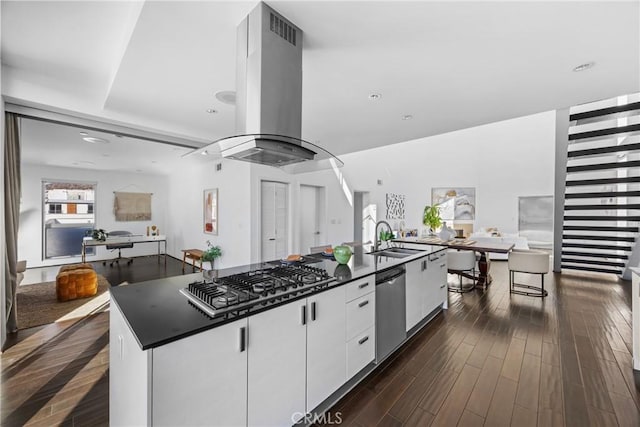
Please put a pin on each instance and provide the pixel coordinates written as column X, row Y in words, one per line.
column 482, row 238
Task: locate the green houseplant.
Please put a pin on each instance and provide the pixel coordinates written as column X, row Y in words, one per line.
column 431, row 217
column 211, row 253
column 97, row 234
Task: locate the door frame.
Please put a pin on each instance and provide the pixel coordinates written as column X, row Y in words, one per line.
column 257, row 254
column 321, row 201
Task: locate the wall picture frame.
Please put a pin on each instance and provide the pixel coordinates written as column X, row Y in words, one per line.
column 210, row 204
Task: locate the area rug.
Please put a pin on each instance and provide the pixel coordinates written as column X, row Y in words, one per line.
column 37, row 304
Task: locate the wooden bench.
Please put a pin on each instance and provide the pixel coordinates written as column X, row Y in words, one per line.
column 192, row 254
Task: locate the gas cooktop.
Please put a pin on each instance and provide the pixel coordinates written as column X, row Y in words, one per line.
column 233, row 294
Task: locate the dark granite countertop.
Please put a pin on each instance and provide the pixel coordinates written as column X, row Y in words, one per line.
column 157, row 313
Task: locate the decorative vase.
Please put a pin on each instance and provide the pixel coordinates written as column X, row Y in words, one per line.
column 342, row 254
column 445, row 234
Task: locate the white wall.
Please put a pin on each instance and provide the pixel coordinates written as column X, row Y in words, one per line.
column 501, row 160
column 30, row 233
column 187, row 183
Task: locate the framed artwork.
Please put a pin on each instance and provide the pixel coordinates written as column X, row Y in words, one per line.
column 395, row 206
column 210, row 203
column 535, row 213
column 456, row 203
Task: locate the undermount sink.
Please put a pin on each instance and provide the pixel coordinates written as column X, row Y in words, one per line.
column 395, row 252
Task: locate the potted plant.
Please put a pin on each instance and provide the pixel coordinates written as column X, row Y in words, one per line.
column 97, row 234
column 431, row 218
column 211, row 253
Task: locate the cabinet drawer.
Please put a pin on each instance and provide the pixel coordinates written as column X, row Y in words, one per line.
column 360, row 287
column 361, row 315
column 361, row 350
column 438, row 256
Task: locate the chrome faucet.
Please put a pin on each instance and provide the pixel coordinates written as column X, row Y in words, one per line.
column 376, row 240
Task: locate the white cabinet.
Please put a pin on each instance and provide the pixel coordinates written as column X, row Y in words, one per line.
column 426, row 287
column 296, row 358
column 128, row 374
column 361, row 314
column 326, row 352
column 437, row 278
column 360, row 287
column 416, row 291
column 361, row 320
column 276, row 365
column 201, row 380
column 361, row 350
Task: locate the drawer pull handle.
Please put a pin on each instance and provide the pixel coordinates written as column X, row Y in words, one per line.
column 442, row 286
column 363, row 303
column 243, row 339
column 363, row 340
column 363, row 285
column 443, row 265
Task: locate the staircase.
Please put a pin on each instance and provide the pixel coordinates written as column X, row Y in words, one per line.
column 602, row 188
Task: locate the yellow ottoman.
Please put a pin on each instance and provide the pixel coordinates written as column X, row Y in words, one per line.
column 76, row 283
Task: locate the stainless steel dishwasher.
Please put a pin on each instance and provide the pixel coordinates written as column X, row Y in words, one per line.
column 390, row 311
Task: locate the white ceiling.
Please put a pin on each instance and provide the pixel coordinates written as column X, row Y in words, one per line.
column 451, row 65
column 58, row 145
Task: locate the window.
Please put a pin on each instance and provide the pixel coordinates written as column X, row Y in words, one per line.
column 68, row 214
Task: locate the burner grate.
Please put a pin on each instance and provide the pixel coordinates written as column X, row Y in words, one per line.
column 263, row 286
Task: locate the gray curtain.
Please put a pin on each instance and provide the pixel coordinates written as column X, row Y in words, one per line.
column 11, row 214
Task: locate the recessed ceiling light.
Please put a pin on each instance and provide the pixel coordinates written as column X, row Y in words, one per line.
column 204, row 153
column 374, row 96
column 84, row 133
column 118, row 136
column 105, row 155
column 211, row 111
column 154, row 161
column 407, row 117
column 584, row 67
column 227, row 97
column 96, row 140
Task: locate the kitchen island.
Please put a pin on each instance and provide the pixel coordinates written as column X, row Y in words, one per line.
column 273, row 362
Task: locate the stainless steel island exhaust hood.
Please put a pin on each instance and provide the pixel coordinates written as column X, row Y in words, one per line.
column 269, row 97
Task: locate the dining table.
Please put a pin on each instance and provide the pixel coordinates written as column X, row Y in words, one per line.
column 483, row 279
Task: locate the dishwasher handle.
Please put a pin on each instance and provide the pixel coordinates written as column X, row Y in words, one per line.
column 390, row 276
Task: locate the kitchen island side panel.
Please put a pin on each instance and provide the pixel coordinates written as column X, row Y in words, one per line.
column 129, row 375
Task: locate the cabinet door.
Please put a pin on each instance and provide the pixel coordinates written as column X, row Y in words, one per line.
column 128, row 370
column 326, row 350
column 437, row 282
column 443, row 293
column 277, row 364
column 201, row 380
column 414, row 293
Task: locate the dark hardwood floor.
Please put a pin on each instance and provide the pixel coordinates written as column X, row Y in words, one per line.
column 57, row 374
column 498, row 359
column 492, row 359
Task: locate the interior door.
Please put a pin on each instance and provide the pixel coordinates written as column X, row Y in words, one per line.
column 310, row 227
column 274, row 220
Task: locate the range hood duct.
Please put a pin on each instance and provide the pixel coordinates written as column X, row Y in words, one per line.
column 269, row 97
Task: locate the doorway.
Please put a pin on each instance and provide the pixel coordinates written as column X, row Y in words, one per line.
column 312, row 217
column 274, row 220
column 364, row 218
